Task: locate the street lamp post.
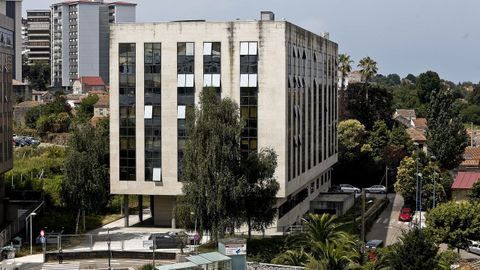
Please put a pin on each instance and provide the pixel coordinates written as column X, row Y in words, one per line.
column 420, row 176
column 31, row 233
column 195, row 231
column 109, row 253
column 434, row 184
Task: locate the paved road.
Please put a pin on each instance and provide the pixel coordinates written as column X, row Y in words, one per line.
column 387, row 227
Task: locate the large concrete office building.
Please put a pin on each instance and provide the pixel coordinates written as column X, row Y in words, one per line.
column 282, row 76
column 81, row 36
column 7, row 58
column 38, row 36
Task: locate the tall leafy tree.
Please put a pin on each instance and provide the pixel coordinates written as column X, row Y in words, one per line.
column 39, row 76
column 86, row 107
column 377, row 107
column 211, row 162
column 446, row 134
column 414, row 251
column 454, row 223
column 258, row 190
column 406, row 180
column 351, row 138
column 427, row 83
column 344, row 67
column 378, row 139
column 475, row 193
column 86, row 185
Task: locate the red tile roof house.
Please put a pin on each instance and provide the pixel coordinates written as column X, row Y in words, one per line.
column 87, row 84
column 463, row 185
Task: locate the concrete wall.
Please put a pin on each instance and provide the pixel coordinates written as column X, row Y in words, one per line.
column 88, row 40
column 125, row 14
column 271, row 97
column 65, row 47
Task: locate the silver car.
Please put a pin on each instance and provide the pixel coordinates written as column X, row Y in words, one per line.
column 474, row 248
column 376, row 189
column 349, row 188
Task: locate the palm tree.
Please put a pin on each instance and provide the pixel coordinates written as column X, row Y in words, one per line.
column 292, row 257
column 344, row 68
column 369, row 69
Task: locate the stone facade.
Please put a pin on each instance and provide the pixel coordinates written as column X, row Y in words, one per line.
column 296, row 112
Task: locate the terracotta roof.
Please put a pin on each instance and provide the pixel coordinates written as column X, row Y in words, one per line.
column 27, row 104
column 420, row 123
column 471, row 163
column 416, row 134
column 465, row 180
column 471, row 153
column 92, row 80
column 103, row 102
column 97, row 92
column 406, row 113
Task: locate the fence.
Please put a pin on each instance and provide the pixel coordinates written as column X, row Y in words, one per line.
column 117, row 241
column 267, row 266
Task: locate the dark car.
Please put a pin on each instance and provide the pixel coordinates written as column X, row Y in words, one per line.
column 374, row 244
column 168, row 240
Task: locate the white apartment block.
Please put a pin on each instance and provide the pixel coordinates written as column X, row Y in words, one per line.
column 80, row 38
column 282, row 76
column 38, row 36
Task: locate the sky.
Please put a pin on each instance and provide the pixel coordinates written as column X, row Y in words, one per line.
column 403, row 36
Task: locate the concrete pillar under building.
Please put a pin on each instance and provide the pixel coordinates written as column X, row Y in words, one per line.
column 125, row 210
column 152, row 206
column 140, row 208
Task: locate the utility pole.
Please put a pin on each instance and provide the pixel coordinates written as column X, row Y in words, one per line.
column 363, row 215
column 153, row 248
column 434, row 189
column 386, row 182
column 471, row 136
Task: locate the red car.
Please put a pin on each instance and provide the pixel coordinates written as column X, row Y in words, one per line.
column 405, row 215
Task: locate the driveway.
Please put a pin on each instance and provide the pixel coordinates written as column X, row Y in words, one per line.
column 387, row 227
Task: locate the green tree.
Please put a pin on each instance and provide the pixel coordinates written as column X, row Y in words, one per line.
column 39, row 76
column 411, row 78
column 259, row 189
column 406, row 180
column 446, row 134
column 85, row 109
column 470, row 114
column 210, row 167
column 454, row 223
column 415, row 251
column 368, row 68
column 86, row 184
column 377, row 107
column 427, row 83
column 474, row 96
column 378, row 139
column 351, row 137
column 344, row 67
column 292, row 257
column 475, row 193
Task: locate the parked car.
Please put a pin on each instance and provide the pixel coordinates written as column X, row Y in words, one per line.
column 374, row 244
column 474, row 247
column 169, row 240
column 349, row 188
column 376, row 189
column 405, row 214
column 334, row 189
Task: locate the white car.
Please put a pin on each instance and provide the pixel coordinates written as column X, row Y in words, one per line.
column 376, row 189
column 474, row 247
column 349, row 188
